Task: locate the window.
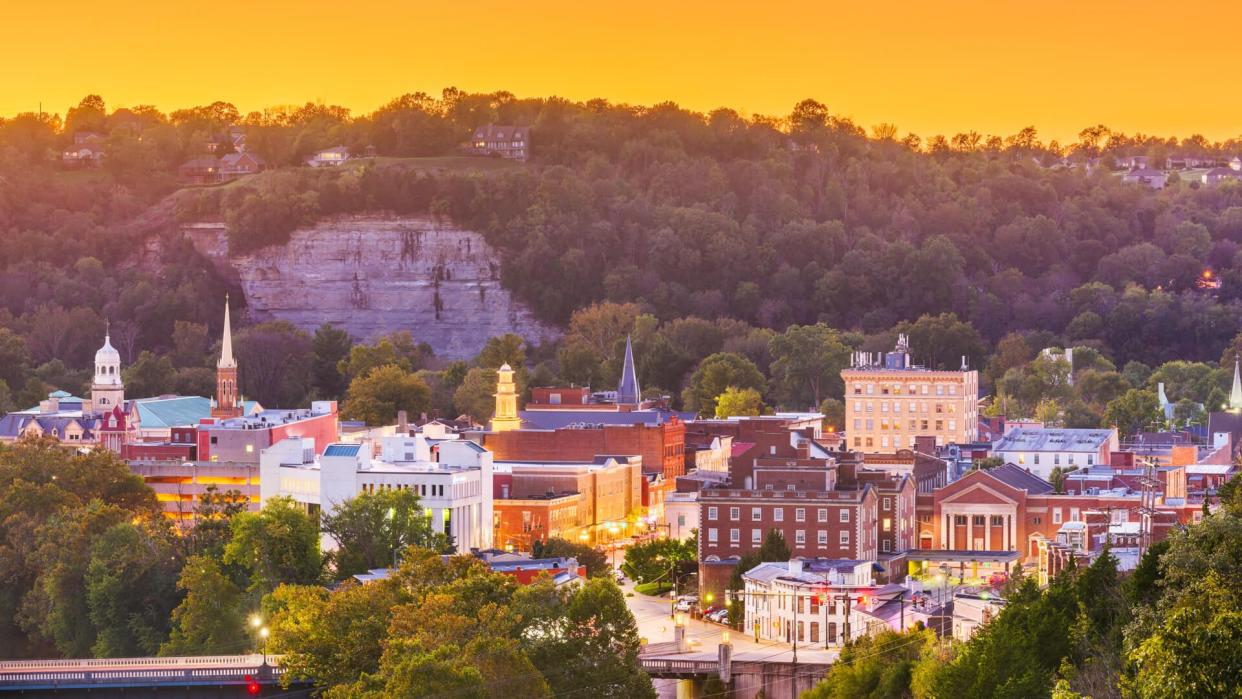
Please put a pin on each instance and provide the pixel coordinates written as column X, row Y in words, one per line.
column 858, row 423
column 1056, row 459
column 887, row 524
column 1090, row 459
column 735, row 536
column 959, row 520
column 800, row 537
column 735, row 513
column 1056, row 515
column 939, row 390
column 800, row 514
column 886, row 546
column 823, row 514
column 845, row 538
column 1037, row 520
column 756, row 514
column 778, row 514
column 1035, row 459
column 998, row 520
column 845, row 515
column 1073, row 514
column 756, row 536
column 888, row 504
column 823, row 537
column 712, row 535
column 711, row 514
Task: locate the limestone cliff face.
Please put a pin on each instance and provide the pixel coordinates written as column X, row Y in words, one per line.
column 373, row 275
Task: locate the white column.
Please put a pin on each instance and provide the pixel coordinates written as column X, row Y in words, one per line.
column 952, row 532
column 944, row 531
column 970, row 532
column 987, row 532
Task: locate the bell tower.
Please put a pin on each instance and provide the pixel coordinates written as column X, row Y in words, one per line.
column 506, row 418
column 227, row 403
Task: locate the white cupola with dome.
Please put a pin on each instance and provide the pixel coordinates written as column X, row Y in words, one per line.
column 107, row 390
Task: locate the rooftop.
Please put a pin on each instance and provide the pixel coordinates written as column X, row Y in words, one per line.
column 1053, row 439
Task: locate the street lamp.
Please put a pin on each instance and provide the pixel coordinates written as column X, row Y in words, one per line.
column 263, row 633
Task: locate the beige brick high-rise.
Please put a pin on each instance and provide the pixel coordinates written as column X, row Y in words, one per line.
column 889, row 401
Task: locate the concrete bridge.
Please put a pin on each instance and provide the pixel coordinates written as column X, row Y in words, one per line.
column 205, row 677
column 682, row 672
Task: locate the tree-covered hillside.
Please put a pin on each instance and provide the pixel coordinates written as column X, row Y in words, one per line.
column 755, row 222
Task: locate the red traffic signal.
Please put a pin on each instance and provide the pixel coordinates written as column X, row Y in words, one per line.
column 252, row 687
column 862, row 599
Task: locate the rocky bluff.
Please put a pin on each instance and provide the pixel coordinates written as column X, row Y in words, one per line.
column 371, row 275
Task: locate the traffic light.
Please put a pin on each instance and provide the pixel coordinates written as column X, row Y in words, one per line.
column 862, row 599
column 252, row 687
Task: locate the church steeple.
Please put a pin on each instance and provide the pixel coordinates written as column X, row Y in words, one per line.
column 226, row 345
column 227, row 403
column 628, row 392
column 1235, row 396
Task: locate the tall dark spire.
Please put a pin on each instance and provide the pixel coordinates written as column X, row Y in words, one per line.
column 628, row 392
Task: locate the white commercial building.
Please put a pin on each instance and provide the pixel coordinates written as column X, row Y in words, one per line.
column 815, row 601
column 452, row 477
column 1039, row 450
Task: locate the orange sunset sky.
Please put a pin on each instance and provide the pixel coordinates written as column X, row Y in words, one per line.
column 929, row 67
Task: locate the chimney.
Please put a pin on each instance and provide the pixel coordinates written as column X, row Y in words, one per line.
column 403, row 423
column 795, row 566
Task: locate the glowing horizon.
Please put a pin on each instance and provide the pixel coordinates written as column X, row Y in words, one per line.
column 961, row 65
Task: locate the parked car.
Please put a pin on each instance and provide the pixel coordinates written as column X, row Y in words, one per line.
column 684, row 604
column 620, row 577
column 720, row 616
column 998, row 578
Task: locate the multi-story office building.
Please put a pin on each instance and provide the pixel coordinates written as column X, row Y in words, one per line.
column 889, row 401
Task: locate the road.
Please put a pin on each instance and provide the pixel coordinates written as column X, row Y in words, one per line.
column 656, row 625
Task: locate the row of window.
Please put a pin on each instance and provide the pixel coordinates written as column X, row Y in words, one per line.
column 1070, row 459
column 895, row 424
column 778, row 513
column 914, row 407
column 895, row 389
column 756, row 537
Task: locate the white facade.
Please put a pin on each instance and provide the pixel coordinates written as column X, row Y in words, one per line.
column 681, row 514
column 805, row 600
column 1043, row 449
column 453, row 479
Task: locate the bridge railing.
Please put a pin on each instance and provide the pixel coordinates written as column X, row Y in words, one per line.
column 673, row 666
column 203, row 661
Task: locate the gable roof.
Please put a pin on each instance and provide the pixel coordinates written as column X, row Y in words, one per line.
column 1020, row 478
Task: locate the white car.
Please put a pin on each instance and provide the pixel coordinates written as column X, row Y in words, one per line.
column 684, row 604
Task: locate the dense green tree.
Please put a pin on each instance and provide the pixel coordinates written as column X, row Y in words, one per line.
column 330, row 347
column 371, row 529
column 652, row 560
column 210, row 618
column 378, row 395
column 807, row 361
column 131, row 589
column 714, row 375
column 273, row 364
column 397, row 349
column 476, row 394
column 875, row 667
column 278, row 544
column 595, row 560
column 1133, row 411
column 743, row 402
column 149, row 376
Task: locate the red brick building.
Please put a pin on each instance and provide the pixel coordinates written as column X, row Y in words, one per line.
column 824, row 523
column 661, row 446
column 1010, row 509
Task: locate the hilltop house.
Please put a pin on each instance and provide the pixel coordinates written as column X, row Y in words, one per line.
column 509, row 142
column 329, row 157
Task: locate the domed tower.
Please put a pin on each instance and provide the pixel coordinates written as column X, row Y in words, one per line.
column 228, row 401
column 107, row 390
